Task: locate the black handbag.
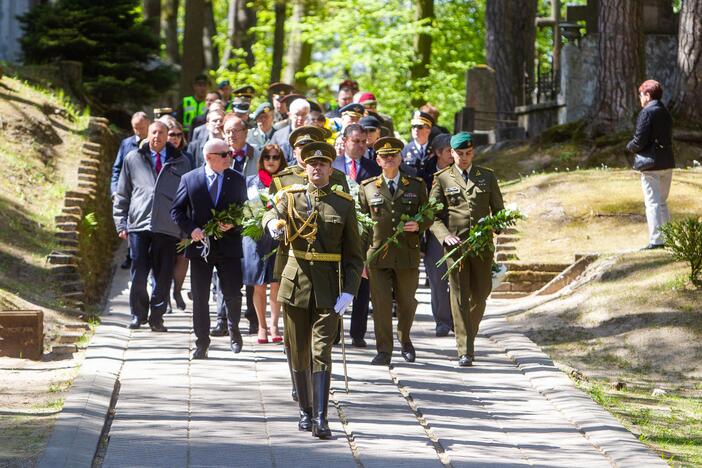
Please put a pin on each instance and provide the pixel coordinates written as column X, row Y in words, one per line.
column 643, row 163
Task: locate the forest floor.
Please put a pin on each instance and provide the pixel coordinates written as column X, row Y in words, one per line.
column 40, row 140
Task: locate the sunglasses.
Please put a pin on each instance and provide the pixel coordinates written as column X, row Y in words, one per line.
column 173, row 134
column 222, row 155
column 419, row 126
column 271, row 157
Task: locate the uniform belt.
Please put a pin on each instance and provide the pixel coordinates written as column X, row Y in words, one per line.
column 316, row 256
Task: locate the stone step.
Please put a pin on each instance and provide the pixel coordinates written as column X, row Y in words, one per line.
column 91, row 146
column 88, row 170
column 76, row 326
column 73, row 210
column 550, row 267
column 501, row 240
column 63, row 349
column 67, row 242
column 90, row 162
column 67, row 226
column 66, row 218
column 524, row 286
column 73, row 201
column 87, row 177
column 529, row 275
column 505, row 248
column 505, row 257
column 57, row 258
column 69, row 337
column 64, row 269
column 67, row 234
column 510, row 231
column 76, row 194
column 508, row 295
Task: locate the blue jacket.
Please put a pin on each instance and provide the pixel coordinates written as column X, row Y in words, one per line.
column 127, row 145
column 192, row 208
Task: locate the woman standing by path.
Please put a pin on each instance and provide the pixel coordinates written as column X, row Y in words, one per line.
column 258, row 261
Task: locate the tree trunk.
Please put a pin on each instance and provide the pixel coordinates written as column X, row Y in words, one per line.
column 208, row 34
column 299, row 52
column 687, row 91
column 169, row 24
column 193, row 62
column 231, row 32
column 152, row 15
column 620, row 46
column 241, row 19
column 509, row 44
column 422, row 47
column 278, row 41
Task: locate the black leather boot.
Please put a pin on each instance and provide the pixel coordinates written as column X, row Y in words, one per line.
column 320, row 425
column 293, row 393
column 302, row 381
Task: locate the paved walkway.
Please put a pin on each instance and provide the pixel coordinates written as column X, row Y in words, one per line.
column 513, row 408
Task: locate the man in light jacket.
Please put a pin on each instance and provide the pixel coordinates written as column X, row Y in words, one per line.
column 141, row 210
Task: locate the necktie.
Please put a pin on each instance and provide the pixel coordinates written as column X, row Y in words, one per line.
column 353, row 173
column 465, row 176
column 213, row 187
column 239, row 164
column 158, row 163
column 391, row 187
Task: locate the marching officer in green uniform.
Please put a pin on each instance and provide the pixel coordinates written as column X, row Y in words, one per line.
column 194, row 105
column 295, row 175
column 386, row 198
column 468, row 193
column 320, row 278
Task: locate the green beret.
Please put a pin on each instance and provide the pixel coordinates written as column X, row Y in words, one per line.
column 461, row 140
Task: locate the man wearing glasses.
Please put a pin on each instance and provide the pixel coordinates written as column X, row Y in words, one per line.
column 214, row 186
column 418, row 151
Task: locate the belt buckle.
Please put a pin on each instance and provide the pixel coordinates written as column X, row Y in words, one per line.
column 309, row 255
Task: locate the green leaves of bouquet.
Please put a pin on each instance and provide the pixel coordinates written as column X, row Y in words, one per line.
column 233, row 214
column 479, row 240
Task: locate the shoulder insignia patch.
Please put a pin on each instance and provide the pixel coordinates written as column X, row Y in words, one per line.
column 369, row 180
column 343, row 195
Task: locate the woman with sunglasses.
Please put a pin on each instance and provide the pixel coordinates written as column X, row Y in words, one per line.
column 258, row 261
column 177, row 138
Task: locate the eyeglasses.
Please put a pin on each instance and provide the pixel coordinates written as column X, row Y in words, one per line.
column 417, row 127
column 231, row 131
column 222, row 155
column 173, row 134
column 271, row 157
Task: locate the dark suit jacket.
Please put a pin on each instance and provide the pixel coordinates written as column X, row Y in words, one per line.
column 192, row 208
column 654, row 136
column 367, row 168
column 127, row 145
column 280, row 138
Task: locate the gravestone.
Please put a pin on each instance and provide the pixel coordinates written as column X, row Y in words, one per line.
column 22, row 334
column 481, row 96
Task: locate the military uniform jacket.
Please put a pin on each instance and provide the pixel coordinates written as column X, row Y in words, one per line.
column 465, row 203
column 386, row 210
column 337, row 233
column 412, row 156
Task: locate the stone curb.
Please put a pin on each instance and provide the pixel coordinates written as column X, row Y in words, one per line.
column 595, row 423
column 76, row 434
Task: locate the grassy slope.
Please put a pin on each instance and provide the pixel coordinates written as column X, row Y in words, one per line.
column 637, row 320
column 40, row 140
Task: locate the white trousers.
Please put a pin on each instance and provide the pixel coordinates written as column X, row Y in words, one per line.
column 656, row 187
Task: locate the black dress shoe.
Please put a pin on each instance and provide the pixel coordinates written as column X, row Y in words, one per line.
column 382, row 359
column 158, row 327
column 169, row 309
column 359, row 342
column 442, row 330
column 135, row 323
column 465, row 361
column 178, row 298
column 220, row 329
column 408, row 352
column 236, row 346
column 127, row 263
column 200, row 353
column 144, row 321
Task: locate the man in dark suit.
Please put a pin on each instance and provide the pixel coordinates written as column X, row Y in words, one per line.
column 358, row 168
column 213, row 186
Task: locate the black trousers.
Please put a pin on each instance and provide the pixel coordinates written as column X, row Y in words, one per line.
column 359, row 310
column 151, row 251
column 249, row 314
column 230, row 282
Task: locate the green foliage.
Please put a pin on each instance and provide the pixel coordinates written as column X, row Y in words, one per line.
column 684, row 240
column 118, row 53
column 90, row 224
column 371, row 41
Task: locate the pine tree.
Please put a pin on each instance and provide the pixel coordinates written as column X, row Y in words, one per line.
column 118, row 52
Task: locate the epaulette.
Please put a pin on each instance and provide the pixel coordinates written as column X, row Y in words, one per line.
column 486, row 169
column 443, row 170
column 371, row 179
column 296, row 188
column 416, row 178
column 286, row 171
column 343, row 194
